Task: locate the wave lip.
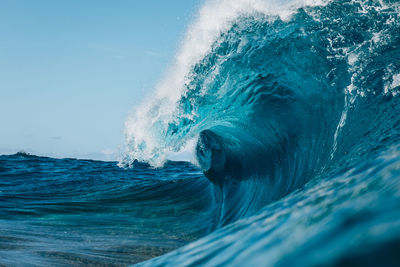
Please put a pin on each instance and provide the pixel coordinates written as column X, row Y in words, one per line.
column 275, row 102
column 148, row 130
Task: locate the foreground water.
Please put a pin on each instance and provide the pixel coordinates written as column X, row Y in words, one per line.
column 60, row 212
column 292, row 111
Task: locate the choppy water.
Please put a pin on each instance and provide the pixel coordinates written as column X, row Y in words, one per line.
column 292, row 111
column 61, row 212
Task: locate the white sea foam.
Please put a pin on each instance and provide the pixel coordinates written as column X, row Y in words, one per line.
column 146, row 127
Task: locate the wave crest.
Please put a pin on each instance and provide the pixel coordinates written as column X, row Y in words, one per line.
column 265, row 90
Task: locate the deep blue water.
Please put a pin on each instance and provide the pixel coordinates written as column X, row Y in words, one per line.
column 292, row 112
column 58, row 212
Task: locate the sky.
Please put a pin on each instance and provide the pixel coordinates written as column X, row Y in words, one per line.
column 71, row 71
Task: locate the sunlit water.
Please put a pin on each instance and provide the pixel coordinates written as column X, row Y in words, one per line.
column 292, row 112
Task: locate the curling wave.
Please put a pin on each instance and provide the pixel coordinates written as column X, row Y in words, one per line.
column 275, row 94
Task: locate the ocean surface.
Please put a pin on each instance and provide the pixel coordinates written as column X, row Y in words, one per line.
column 291, row 112
column 63, row 212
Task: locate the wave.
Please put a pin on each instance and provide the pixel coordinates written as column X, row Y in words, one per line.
column 269, row 95
column 96, row 213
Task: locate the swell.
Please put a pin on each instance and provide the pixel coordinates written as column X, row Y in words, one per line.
column 58, row 212
column 280, row 98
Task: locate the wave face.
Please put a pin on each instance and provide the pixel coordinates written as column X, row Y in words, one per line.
column 292, row 111
column 276, row 94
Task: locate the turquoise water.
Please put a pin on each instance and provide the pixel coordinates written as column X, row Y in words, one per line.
column 291, row 111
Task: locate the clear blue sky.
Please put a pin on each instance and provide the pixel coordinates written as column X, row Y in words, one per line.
column 72, row 70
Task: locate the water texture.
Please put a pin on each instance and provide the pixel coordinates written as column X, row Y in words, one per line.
column 63, row 212
column 292, row 112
